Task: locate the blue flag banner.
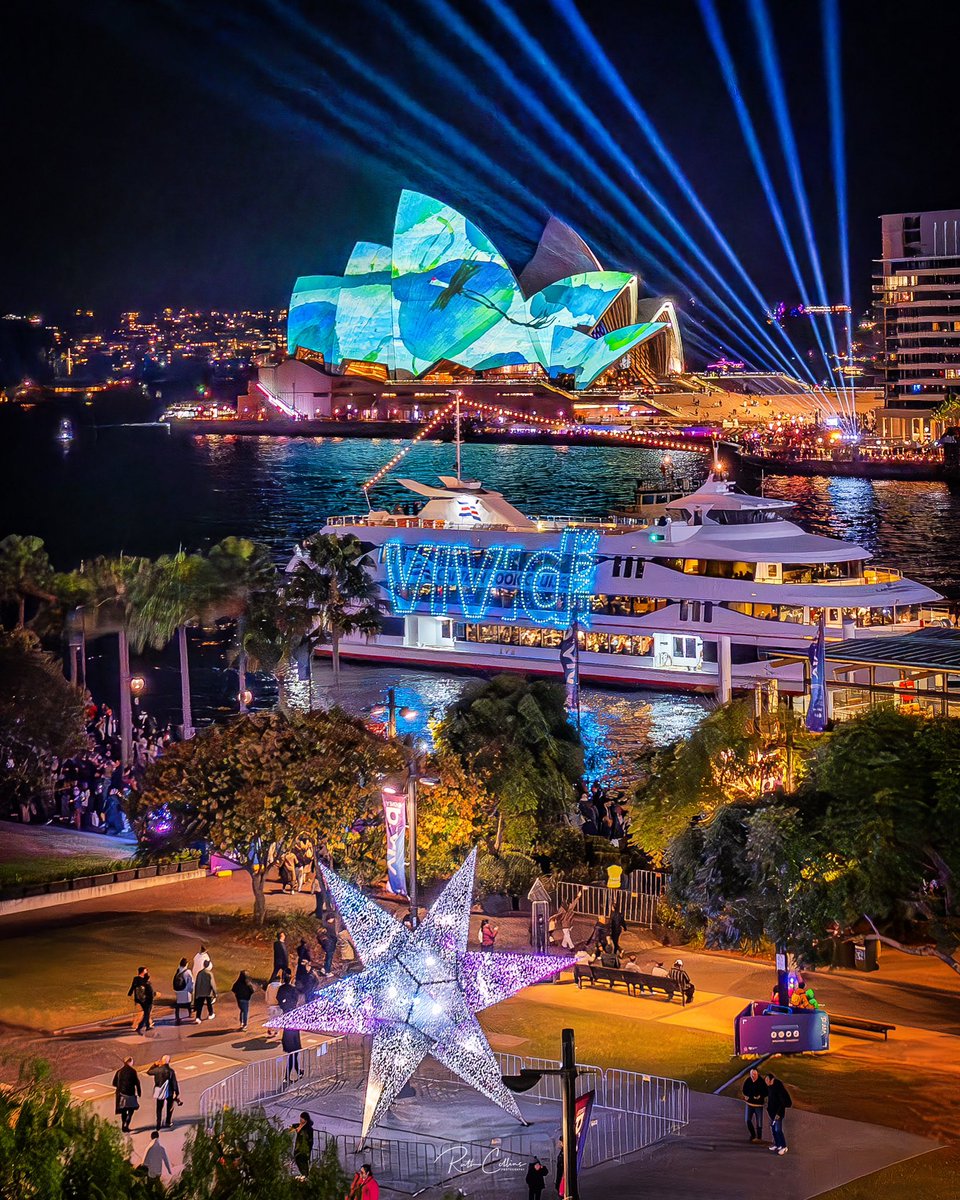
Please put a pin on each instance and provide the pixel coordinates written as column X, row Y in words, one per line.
column 817, row 708
column 395, row 823
column 570, row 662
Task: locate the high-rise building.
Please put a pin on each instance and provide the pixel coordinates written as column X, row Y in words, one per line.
column 917, row 299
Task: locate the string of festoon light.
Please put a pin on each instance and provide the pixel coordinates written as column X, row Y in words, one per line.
column 556, row 425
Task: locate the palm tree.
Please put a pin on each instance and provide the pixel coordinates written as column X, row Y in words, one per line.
column 112, row 589
column 242, row 571
column 25, row 572
column 333, row 581
column 177, row 591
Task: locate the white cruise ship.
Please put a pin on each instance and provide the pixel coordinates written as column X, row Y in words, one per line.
column 700, row 598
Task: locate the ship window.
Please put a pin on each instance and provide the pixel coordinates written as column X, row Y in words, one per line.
column 643, row 646
column 552, row 637
column 628, row 564
column 621, row 644
column 530, row 637
column 708, row 612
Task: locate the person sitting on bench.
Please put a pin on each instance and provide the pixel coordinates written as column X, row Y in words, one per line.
column 631, row 964
column 682, row 980
column 660, row 969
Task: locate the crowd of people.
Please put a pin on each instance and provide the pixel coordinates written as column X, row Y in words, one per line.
column 87, row 791
column 601, row 814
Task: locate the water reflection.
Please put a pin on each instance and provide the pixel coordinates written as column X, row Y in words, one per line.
column 615, row 726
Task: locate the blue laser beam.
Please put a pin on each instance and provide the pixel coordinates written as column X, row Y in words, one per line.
column 831, row 45
column 724, row 58
column 773, row 81
column 598, row 55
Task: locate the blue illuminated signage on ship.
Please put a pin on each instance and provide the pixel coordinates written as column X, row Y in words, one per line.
column 545, row 587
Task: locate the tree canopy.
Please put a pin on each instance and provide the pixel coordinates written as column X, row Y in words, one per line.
column 871, row 835
column 516, row 736
column 253, row 786
column 41, row 715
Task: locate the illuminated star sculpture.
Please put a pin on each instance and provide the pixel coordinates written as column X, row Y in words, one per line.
column 419, row 992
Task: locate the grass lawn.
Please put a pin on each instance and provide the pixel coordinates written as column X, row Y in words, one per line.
column 47, row 869
column 933, row 1176
column 702, row 1059
column 80, row 970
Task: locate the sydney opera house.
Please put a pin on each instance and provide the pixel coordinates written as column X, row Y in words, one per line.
column 441, row 307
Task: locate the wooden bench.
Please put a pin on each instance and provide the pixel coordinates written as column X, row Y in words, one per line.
column 859, row 1023
column 635, row 982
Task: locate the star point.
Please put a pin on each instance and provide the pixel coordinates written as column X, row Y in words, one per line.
column 419, row 992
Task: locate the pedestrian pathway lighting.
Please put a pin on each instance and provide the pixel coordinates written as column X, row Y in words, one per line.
column 137, row 684
column 419, row 993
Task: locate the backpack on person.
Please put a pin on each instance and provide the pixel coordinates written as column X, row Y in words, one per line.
column 140, row 993
column 179, row 982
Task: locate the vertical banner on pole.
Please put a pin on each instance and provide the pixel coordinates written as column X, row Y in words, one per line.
column 570, row 662
column 395, row 823
column 817, row 708
column 582, row 1111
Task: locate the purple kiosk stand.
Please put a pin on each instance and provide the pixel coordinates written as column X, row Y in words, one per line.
column 764, row 1028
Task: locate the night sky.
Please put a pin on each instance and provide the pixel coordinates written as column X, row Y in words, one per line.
column 206, row 153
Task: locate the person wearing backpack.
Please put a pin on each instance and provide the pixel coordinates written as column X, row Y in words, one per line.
column 778, row 1101
column 182, row 990
column 143, row 995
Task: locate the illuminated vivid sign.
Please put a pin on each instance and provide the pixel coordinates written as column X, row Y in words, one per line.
column 546, row 587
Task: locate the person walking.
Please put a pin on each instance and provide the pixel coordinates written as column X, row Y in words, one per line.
column 617, row 926
column 182, row 990
column 754, row 1098
column 291, row 1047
column 243, row 991
column 204, row 992
column 143, row 994
column 778, row 1101
column 303, row 1143
column 488, row 934
column 155, row 1159
column 536, row 1179
column 166, row 1090
column 126, row 1081
column 303, row 953
column 364, row 1186
column 281, row 957
column 327, row 941
column 198, row 960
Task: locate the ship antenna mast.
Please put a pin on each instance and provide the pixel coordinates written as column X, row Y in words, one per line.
column 456, row 426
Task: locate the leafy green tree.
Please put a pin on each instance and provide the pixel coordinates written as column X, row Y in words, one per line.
column 333, row 581
column 54, row 1149
column 730, row 757
column 25, row 573
column 885, row 813
column 243, row 572
column 251, row 787
column 177, row 591
column 516, row 736
column 248, row 1156
column 41, row 715
column 110, row 591
column 453, row 816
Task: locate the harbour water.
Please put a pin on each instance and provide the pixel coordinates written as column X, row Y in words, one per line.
column 136, row 489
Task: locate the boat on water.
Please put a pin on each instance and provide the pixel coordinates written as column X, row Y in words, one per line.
column 65, row 431
column 701, row 597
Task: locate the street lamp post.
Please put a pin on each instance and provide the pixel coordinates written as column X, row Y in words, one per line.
column 413, row 777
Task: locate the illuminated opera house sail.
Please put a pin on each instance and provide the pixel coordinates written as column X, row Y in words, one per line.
column 443, row 298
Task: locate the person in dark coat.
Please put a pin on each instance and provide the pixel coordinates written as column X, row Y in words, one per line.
column 243, row 990
column 778, row 1101
column 327, row 940
column 617, row 926
column 303, row 1143
column 560, row 1169
column 127, row 1084
column 536, row 1179
column 291, row 1046
column 281, row 957
column 754, row 1098
column 143, row 994
column 166, row 1090
column 287, row 995
column 204, row 992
